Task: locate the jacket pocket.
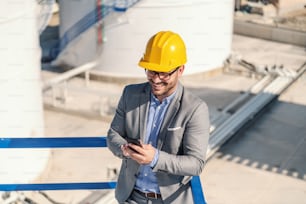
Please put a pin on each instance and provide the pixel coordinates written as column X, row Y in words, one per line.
column 173, row 140
column 174, row 128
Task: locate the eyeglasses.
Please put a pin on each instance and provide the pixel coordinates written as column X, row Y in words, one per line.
column 161, row 75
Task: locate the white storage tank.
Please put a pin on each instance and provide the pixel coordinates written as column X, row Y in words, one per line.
column 21, row 109
column 205, row 25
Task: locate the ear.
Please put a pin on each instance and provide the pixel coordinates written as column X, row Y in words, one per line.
column 181, row 70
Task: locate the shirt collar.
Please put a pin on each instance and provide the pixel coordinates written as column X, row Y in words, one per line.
column 167, row 100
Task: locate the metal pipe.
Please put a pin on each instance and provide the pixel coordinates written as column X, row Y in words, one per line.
column 69, row 74
column 249, row 110
column 254, row 89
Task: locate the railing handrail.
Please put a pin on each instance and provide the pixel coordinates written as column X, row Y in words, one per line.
column 72, row 142
column 53, row 142
column 58, row 186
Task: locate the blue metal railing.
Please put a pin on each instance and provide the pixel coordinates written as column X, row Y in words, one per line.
column 53, row 142
column 73, row 142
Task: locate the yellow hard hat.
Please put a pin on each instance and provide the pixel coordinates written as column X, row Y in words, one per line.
column 165, row 51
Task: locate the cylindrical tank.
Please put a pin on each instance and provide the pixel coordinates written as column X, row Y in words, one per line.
column 21, row 109
column 205, row 25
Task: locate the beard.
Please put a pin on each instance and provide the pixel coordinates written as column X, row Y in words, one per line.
column 161, row 89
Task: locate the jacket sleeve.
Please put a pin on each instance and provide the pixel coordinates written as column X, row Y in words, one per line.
column 116, row 133
column 190, row 161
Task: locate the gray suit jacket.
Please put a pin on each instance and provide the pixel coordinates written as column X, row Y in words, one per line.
column 182, row 141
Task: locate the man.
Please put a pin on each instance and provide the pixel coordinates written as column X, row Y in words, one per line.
column 171, row 124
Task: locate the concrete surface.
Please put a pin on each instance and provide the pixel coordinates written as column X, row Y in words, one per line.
column 285, row 27
column 266, row 162
column 270, row 33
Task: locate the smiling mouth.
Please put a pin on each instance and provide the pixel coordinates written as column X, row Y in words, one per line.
column 158, row 86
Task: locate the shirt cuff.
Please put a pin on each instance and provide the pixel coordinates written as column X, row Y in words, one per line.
column 155, row 159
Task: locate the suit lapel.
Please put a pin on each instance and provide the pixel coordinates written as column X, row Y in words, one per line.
column 144, row 102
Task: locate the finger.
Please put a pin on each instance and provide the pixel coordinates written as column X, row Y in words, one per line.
column 138, row 158
column 124, row 149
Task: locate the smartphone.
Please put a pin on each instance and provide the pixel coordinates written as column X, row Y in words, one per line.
column 134, row 141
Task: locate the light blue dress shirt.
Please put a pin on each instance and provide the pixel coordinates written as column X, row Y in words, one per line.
column 146, row 179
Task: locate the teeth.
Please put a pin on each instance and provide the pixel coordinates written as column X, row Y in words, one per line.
column 157, row 86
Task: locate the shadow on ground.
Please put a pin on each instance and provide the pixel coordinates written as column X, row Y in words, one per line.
column 274, row 142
